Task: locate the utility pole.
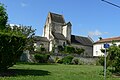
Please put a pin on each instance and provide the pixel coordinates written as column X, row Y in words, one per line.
column 111, row 3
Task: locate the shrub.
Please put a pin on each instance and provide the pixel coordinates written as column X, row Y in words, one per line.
column 42, row 58
column 69, row 49
column 40, row 49
column 75, row 61
column 60, row 48
column 11, row 48
column 67, row 59
column 79, row 50
column 58, row 60
column 108, row 73
column 101, row 61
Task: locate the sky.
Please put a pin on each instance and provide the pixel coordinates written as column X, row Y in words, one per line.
column 93, row 18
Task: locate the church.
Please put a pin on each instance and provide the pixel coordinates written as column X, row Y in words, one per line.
column 57, row 32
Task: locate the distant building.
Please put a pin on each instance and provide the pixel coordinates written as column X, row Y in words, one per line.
column 97, row 46
column 57, row 32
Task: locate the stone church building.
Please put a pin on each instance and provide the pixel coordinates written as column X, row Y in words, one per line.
column 57, row 32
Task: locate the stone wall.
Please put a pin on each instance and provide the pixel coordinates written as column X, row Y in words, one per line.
column 44, row 44
column 83, row 60
column 88, row 49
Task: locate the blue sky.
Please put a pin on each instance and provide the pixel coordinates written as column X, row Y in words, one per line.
column 88, row 17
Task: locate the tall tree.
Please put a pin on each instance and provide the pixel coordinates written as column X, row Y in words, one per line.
column 3, row 17
column 13, row 40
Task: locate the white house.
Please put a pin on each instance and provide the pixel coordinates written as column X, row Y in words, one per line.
column 97, row 46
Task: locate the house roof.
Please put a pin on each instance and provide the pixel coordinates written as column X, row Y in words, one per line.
column 58, row 36
column 57, row 18
column 108, row 40
column 81, row 40
column 39, row 38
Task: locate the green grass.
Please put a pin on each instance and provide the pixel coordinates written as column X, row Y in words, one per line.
column 55, row 72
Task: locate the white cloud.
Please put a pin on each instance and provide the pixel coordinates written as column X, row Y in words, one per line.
column 23, row 4
column 96, row 33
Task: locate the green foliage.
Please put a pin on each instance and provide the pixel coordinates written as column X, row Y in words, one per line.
column 3, row 17
column 79, row 50
column 58, row 60
column 108, row 73
column 101, row 61
column 114, row 57
column 67, row 59
column 40, row 49
column 42, row 58
column 69, row 49
column 103, row 50
column 26, row 31
column 60, row 48
column 11, row 47
column 13, row 40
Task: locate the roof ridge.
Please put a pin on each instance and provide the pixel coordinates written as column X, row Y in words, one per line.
column 55, row 13
column 108, row 39
column 80, row 36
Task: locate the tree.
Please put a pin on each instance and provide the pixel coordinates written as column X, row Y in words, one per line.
column 27, row 31
column 13, row 41
column 3, row 17
column 114, row 57
column 100, row 38
column 11, row 47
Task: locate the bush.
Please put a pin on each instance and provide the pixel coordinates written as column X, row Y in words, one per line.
column 75, row 61
column 108, row 73
column 101, row 61
column 11, row 48
column 60, row 48
column 58, row 60
column 69, row 49
column 67, row 59
column 79, row 50
column 42, row 58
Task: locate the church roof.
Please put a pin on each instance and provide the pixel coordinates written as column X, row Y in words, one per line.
column 81, row 40
column 59, row 36
column 57, row 18
column 39, row 38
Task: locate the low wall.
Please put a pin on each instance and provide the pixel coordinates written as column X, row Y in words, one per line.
column 84, row 60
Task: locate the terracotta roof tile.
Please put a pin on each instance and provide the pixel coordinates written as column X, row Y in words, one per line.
column 108, row 40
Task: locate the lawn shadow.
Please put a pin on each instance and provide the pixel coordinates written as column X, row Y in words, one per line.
column 35, row 63
column 23, row 72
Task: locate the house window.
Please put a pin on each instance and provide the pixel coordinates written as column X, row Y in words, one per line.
column 96, row 52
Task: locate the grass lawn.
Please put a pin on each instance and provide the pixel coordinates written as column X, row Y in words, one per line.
column 55, row 72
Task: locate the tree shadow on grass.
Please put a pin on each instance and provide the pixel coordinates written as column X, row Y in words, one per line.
column 23, row 72
column 35, row 63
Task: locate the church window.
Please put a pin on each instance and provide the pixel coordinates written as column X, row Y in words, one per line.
column 63, row 43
